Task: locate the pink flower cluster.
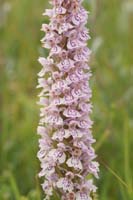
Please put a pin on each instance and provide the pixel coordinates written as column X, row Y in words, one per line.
column 66, row 151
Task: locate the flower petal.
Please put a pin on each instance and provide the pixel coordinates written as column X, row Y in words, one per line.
column 71, row 113
column 75, row 163
column 72, row 44
column 66, row 184
column 60, row 10
column 77, row 19
column 82, row 196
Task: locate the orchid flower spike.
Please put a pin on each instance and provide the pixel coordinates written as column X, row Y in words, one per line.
column 66, row 153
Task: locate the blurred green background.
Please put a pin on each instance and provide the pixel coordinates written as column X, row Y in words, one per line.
column 111, row 27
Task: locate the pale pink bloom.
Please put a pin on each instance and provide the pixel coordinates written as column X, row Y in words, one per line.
column 75, row 163
column 85, row 107
column 60, row 10
column 66, row 184
column 76, row 133
column 47, row 169
column 61, row 134
column 65, row 65
column 48, row 188
column 57, row 155
column 65, row 147
column 54, row 119
column 82, row 196
column 48, row 12
column 70, row 112
column 64, row 27
column 94, row 168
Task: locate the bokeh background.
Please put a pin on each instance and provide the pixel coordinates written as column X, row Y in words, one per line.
column 111, row 27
